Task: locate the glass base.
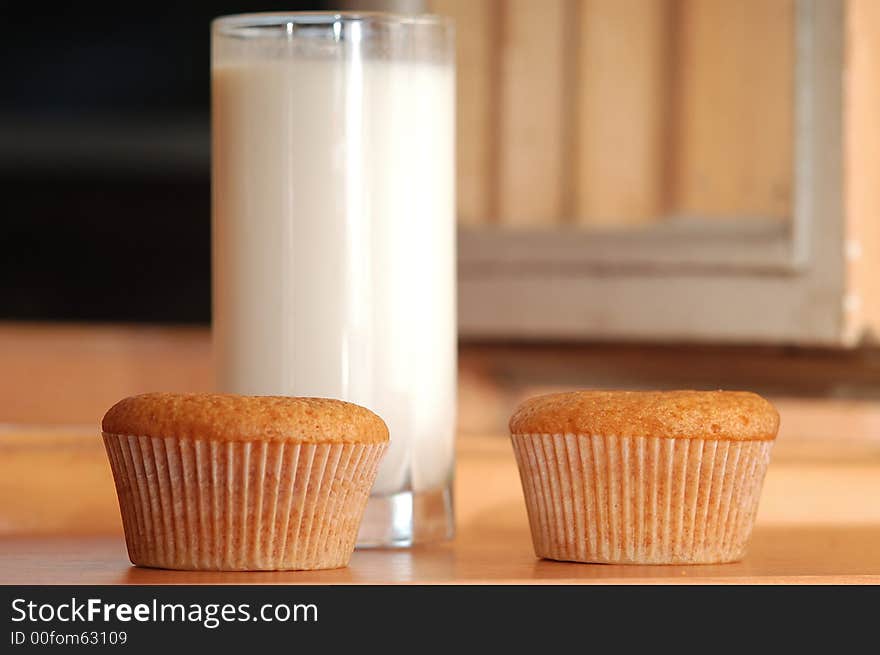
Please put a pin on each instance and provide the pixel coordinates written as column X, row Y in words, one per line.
column 407, row 518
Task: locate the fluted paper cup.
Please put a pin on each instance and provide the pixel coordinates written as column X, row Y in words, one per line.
column 241, row 505
column 640, row 500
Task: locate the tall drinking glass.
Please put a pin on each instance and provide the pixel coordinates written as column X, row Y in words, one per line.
column 333, row 234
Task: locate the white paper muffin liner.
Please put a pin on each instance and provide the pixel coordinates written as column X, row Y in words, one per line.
column 640, row 500
column 236, row 506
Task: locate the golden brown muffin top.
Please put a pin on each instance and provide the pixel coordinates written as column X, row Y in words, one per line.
column 227, row 417
column 731, row 415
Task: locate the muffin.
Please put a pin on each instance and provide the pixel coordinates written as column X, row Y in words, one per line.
column 632, row 477
column 241, row 483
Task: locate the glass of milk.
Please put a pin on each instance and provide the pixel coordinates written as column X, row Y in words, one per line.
column 334, row 235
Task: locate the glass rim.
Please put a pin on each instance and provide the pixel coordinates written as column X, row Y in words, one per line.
column 229, row 25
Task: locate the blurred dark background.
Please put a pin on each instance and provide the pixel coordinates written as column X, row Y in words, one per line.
column 105, row 160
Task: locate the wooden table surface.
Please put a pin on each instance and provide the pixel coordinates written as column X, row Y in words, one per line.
column 808, row 555
column 826, row 542
column 818, row 522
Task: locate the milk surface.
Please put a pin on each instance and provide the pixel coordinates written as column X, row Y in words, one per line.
column 333, row 206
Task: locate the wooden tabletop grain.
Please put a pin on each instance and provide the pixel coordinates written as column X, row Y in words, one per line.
column 496, row 555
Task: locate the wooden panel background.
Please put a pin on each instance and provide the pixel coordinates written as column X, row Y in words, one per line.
column 532, row 88
column 862, row 162
column 476, row 25
column 734, row 113
column 619, row 112
column 623, row 102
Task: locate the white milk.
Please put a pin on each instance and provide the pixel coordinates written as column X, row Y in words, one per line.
column 333, row 205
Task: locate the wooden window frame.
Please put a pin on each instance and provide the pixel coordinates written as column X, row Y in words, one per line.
column 687, row 279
